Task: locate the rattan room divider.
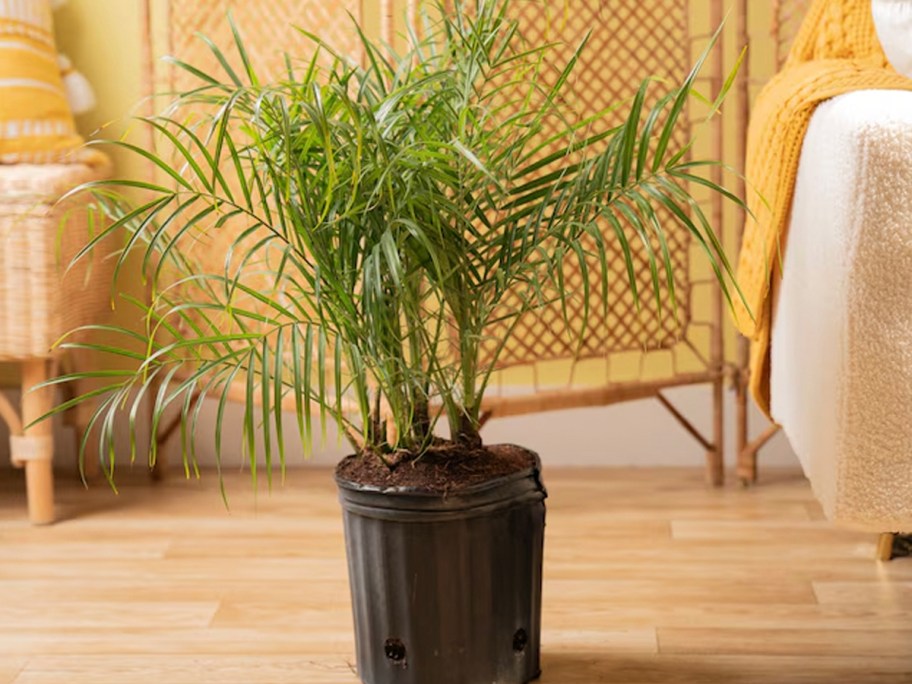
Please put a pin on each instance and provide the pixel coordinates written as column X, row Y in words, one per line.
column 625, row 355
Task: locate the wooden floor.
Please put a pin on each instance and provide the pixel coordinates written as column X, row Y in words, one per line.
column 650, row 577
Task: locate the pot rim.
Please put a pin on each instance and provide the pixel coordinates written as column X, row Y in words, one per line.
column 411, row 491
column 412, row 503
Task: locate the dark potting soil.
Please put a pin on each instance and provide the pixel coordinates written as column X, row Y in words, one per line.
column 445, row 468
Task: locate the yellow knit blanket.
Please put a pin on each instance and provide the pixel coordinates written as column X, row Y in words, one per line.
column 836, row 51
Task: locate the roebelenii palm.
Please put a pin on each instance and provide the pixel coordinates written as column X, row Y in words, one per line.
column 378, row 215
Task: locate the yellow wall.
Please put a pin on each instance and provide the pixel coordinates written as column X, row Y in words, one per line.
column 105, row 39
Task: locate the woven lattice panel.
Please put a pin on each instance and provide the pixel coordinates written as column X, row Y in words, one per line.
column 269, row 29
column 631, row 40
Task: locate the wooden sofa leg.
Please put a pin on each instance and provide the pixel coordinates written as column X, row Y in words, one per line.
column 894, row 545
column 885, row 546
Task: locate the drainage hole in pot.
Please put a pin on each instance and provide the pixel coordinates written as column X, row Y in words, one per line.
column 520, row 639
column 395, row 650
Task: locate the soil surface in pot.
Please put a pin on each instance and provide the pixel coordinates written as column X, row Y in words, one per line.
column 442, row 469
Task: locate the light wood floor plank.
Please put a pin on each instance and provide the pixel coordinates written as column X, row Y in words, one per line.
column 330, row 668
column 777, row 642
column 691, row 564
column 182, row 641
column 650, row 577
column 602, row 594
column 105, row 614
column 882, row 593
column 591, row 668
column 559, row 668
column 10, row 668
column 761, row 531
column 603, row 641
column 738, row 616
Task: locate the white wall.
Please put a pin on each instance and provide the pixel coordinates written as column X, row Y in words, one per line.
column 637, row 433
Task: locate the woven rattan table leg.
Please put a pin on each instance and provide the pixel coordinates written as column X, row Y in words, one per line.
column 39, row 473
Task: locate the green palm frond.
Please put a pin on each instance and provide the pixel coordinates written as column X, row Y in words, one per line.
column 372, row 220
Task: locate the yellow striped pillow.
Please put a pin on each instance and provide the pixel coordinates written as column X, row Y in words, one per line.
column 36, row 124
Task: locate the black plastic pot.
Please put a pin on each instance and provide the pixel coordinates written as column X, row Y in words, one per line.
column 447, row 589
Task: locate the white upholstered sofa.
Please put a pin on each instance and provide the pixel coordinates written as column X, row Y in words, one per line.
column 841, row 352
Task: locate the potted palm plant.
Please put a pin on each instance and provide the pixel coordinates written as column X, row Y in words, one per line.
column 372, row 217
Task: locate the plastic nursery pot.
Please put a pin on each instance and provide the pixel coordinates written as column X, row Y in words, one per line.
column 447, row 589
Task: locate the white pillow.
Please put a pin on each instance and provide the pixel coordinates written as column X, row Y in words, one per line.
column 893, row 21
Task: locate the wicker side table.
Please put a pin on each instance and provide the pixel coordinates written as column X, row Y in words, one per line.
column 39, row 302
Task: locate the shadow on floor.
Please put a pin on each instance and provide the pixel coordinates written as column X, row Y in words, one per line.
column 594, row 668
column 618, row 668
